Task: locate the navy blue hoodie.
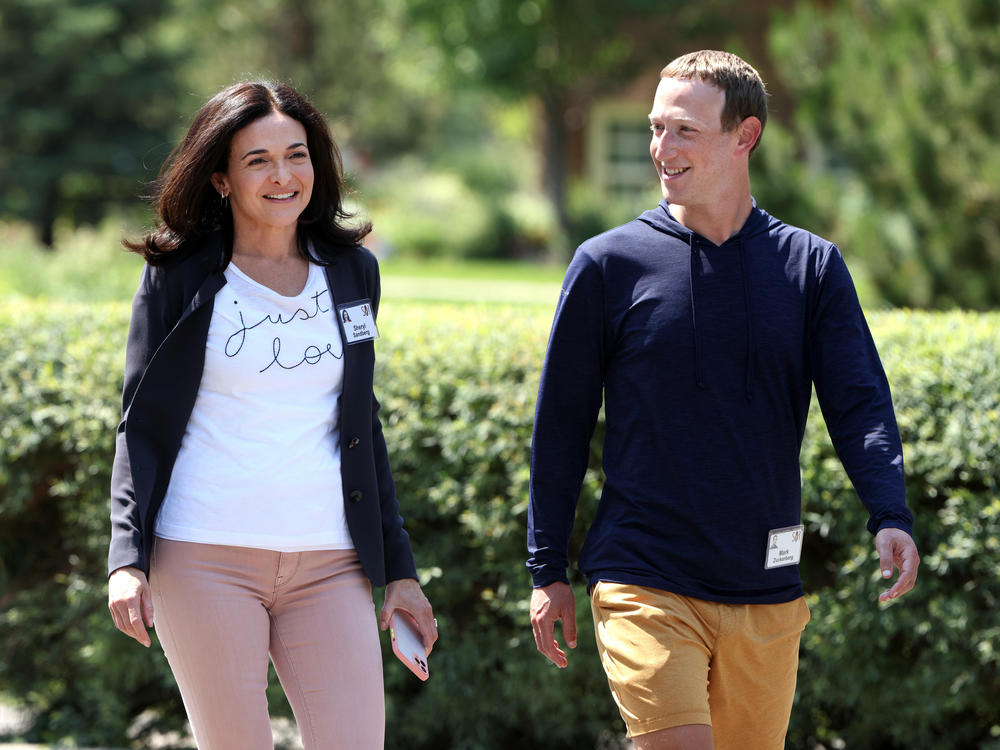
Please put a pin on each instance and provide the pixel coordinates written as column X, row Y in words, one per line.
column 705, row 357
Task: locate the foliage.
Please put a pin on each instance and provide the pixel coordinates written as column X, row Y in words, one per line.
column 375, row 78
column 492, row 100
column 558, row 53
column 460, row 442
column 441, row 218
column 85, row 107
column 471, row 191
column 528, row 46
column 924, row 671
column 458, row 384
column 87, row 264
column 897, row 117
column 60, row 366
column 440, row 171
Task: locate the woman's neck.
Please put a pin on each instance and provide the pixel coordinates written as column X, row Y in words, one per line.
column 273, row 245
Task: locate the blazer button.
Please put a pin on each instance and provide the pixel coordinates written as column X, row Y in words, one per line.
column 354, row 442
column 355, row 496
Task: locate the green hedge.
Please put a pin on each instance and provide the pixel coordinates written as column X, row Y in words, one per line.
column 923, row 671
column 458, row 387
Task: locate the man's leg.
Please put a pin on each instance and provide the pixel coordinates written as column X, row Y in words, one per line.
column 688, row 737
column 655, row 649
column 752, row 677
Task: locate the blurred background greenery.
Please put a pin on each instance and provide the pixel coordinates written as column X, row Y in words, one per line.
column 485, row 139
column 513, row 129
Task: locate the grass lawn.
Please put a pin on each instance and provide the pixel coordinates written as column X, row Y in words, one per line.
column 471, row 282
column 88, row 265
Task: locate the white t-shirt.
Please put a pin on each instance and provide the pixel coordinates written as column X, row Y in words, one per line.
column 259, row 465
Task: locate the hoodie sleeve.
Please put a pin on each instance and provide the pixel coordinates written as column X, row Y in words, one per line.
column 854, row 395
column 569, row 399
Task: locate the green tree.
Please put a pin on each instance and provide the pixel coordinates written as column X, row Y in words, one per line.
column 562, row 53
column 897, row 115
column 438, row 167
column 87, row 99
column 375, row 80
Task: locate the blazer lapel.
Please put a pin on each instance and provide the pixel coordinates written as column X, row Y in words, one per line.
column 205, row 294
column 342, row 290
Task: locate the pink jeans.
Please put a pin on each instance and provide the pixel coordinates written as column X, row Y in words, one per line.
column 221, row 610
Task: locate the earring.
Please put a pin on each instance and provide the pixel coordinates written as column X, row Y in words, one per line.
column 225, row 200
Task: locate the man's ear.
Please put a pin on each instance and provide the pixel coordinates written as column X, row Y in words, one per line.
column 749, row 133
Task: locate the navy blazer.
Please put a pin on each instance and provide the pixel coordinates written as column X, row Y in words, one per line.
column 164, row 359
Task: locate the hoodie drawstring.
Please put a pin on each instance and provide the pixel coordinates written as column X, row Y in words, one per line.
column 698, row 372
column 751, row 347
column 751, row 350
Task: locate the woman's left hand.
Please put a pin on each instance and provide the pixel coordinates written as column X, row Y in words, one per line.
column 406, row 594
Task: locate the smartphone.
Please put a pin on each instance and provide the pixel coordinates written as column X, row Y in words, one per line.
column 407, row 643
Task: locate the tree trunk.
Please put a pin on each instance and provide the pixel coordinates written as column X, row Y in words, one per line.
column 46, row 217
column 554, row 157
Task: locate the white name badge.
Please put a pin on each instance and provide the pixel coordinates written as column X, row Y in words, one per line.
column 357, row 320
column 784, row 547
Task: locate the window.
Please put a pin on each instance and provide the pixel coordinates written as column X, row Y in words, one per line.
column 618, row 153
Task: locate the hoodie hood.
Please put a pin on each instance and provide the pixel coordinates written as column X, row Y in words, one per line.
column 758, row 222
column 660, row 218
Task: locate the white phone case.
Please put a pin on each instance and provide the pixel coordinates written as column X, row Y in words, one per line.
column 407, row 643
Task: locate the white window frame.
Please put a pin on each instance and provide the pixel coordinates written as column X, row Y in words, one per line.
column 616, row 172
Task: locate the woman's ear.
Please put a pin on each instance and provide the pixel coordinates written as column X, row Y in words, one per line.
column 219, row 183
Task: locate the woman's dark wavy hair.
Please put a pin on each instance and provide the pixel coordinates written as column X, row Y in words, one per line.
column 190, row 208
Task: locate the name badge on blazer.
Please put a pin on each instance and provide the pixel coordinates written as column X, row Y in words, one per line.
column 357, row 320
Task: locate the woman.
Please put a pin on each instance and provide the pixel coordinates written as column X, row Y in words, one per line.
column 251, row 482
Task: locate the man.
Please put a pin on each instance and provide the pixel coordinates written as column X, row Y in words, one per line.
column 704, row 325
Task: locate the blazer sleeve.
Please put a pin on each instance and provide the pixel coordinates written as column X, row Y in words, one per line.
column 148, row 326
column 399, row 561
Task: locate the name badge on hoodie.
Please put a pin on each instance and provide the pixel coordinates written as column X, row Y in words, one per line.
column 784, row 546
column 357, row 320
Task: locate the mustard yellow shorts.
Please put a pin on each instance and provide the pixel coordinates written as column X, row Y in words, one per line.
column 672, row 660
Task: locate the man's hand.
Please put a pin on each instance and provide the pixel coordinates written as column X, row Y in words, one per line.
column 549, row 604
column 896, row 548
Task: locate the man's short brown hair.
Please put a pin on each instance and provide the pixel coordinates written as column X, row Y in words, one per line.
column 742, row 85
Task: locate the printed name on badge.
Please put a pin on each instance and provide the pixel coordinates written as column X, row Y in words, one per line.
column 357, row 320
column 784, row 547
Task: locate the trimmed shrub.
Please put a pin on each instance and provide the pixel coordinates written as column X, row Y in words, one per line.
column 458, row 389
column 60, row 367
column 921, row 672
column 439, row 199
